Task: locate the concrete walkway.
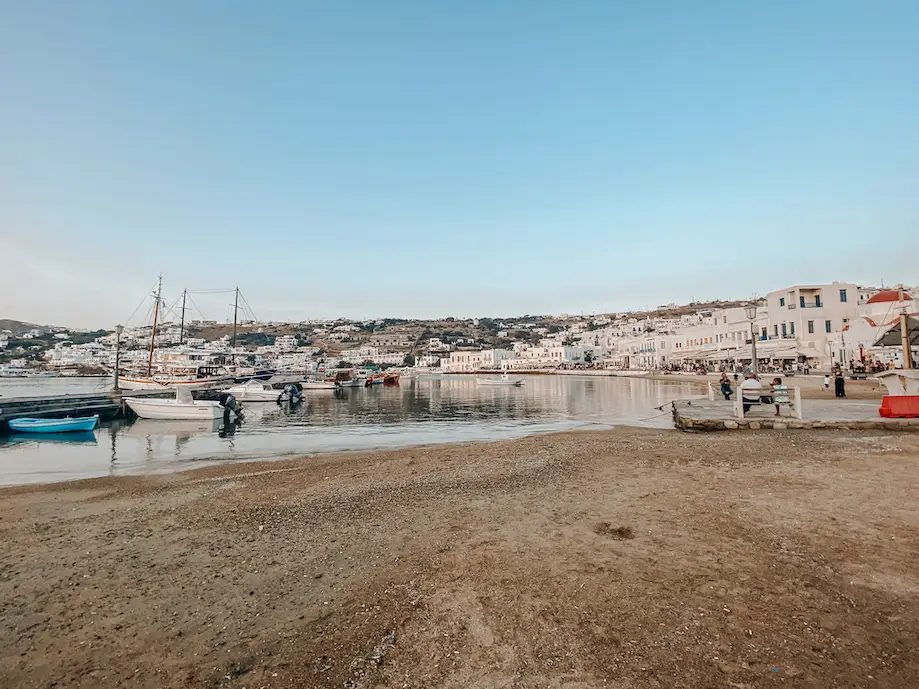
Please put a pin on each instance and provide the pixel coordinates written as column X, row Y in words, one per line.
column 705, row 415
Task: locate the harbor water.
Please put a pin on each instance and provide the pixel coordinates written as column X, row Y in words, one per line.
column 452, row 409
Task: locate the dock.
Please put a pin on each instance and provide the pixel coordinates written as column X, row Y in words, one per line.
column 108, row 405
column 718, row 415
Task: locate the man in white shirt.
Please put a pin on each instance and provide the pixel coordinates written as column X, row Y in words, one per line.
column 751, row 385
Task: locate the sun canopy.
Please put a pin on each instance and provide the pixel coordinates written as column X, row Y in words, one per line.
column 894, row 338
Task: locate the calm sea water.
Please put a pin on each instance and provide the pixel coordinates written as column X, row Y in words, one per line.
column 452, row 409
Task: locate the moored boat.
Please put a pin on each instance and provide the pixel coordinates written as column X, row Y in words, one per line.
column 182, row 406
column 254, row 391
column 67, row 425
column 318, row 385
column 505, row 381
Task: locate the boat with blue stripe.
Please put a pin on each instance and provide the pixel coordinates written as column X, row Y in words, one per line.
column 67, row 425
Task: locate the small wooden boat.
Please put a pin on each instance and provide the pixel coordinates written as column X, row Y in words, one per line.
column 505, row 380
column 68, row 425
column 318, row 385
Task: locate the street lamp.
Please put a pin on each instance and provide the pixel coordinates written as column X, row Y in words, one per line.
column 750, row 310
column 118, row 330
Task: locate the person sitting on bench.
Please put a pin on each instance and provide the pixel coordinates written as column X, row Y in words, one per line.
column 726, row 388
column 751, row 385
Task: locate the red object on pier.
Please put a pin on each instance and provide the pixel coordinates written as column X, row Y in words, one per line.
column 900, row 407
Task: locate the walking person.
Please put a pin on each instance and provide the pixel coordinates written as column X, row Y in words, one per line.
column 826, row 382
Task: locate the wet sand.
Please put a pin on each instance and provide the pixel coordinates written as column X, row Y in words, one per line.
column 626, row 558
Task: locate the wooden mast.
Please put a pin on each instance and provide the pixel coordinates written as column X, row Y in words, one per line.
column 235, row 309
column 904, row 331
column 182, row 322
column 156, row 313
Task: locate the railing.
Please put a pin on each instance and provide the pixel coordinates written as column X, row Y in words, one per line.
column 792, row 305
column 811, row 305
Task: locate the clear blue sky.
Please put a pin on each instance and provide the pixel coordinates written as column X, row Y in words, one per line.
column 434, row 159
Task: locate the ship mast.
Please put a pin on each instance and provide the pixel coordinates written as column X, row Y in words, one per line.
column 156, row 313
column 904, row 331
column 182, row 322
column 235, row 309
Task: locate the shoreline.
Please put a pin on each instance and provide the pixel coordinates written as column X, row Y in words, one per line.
column 589, row 557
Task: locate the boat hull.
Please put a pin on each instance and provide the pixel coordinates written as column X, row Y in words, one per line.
column 154, row 384
column 29, row 425
column 318, row 385
column 171, row 409
column 254, row 393
column 500, row 383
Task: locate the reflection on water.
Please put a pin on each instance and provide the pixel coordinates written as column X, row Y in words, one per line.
column 452, row 409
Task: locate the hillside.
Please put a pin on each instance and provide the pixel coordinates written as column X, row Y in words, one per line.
column 17, row 327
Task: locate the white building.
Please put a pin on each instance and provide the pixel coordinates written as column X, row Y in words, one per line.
column 475, row 360
column 810, row 317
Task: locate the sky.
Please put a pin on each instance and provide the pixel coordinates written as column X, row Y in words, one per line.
column 420, row 159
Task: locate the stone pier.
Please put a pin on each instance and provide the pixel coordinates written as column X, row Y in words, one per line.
column 706, row 415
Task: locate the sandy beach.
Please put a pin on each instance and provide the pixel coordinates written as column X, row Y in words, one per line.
column 627, row 558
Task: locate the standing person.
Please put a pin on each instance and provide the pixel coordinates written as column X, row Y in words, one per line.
column 726, row 388
column 779, row 394
column 826, row 382
column 750, row 391
column 840, row 383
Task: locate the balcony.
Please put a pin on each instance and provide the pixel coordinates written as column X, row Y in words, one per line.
column 792, row 305
column 811, row 304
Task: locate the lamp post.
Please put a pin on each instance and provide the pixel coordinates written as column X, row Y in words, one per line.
column 750, row 310
column 118, row 330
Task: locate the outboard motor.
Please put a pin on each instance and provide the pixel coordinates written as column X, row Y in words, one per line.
column 229, row 404
column 291, row 394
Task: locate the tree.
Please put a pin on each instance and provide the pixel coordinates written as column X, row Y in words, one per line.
column 588, row 356
column 409, row 360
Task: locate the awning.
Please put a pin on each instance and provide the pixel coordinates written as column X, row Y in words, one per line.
column 894, row 338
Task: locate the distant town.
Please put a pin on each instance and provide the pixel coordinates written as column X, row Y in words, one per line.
column 815, row 324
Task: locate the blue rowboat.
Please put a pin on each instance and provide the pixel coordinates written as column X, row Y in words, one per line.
column 26, row 425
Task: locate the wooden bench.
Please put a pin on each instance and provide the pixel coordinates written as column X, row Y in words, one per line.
column 755, row 398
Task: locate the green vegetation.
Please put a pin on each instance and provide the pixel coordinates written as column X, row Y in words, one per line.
column 255, row 339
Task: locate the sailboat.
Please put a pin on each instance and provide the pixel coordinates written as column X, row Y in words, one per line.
column 174, row 373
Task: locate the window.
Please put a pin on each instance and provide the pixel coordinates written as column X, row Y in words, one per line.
column 829, row 326
column 725, row 319
column 792, row 328
column 763, row 335
column 802, row 301
column 817, row 301
column 781, row 301
column 810, row 327
column 784, row 330
column 843, row 296
column 776, row 326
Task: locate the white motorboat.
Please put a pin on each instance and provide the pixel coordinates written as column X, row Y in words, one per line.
column 254, row 391
column 182, row 406
column 353, row 383
column 505, row 380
